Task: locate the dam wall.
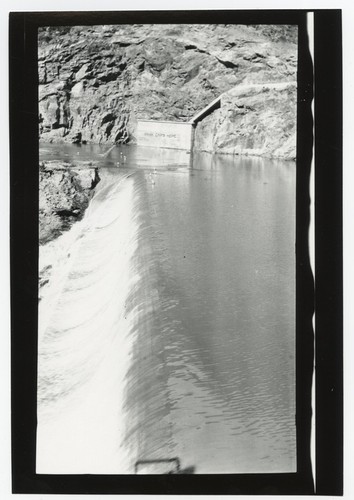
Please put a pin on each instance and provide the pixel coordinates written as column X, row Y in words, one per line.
column 164, row 134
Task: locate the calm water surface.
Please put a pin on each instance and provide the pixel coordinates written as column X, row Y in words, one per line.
column 173, row 333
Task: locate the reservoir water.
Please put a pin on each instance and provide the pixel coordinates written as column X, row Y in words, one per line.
column 167, row 328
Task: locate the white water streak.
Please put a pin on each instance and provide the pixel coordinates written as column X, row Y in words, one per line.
column 84, row 346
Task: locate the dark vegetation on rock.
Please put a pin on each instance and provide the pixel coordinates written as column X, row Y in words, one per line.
column 64, row 193
column 96, row 81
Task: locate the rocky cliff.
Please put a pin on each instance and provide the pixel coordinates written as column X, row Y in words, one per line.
column 256, row 119
column 96, row 81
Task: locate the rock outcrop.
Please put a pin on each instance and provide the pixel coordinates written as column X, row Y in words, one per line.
column 64, row 193
column 255, row 119
column 96, row 81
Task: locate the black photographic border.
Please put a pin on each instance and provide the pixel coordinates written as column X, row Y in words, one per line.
column 326, row 298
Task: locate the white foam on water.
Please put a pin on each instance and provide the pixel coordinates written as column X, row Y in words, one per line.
column 84, row 339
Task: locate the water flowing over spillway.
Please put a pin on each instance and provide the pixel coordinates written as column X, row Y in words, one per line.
column 82, row 358
column 167, row 328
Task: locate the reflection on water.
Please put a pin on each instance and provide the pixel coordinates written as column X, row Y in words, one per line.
column 172, row 333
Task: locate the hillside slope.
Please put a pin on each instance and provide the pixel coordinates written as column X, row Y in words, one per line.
column 96, row 81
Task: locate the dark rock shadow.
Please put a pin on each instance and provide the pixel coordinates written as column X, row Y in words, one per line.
column 187, row 470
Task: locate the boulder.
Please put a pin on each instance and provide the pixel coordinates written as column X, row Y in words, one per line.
column 64, row 193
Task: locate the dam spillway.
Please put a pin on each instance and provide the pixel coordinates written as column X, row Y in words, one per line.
column 168, row 327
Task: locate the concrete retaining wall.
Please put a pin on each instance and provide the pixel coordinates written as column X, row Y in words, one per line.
column 164, row 134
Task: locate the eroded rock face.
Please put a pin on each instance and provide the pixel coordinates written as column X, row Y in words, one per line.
column 64, row 193
column 96, row 81
column 257, row 119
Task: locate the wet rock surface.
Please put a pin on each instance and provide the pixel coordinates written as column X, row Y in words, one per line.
column 96, row 81
column 64, row 193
